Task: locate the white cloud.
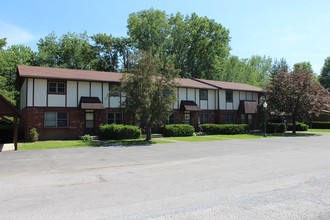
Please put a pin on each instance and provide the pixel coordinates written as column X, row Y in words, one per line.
column 14, row 34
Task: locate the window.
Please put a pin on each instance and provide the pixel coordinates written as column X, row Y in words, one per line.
column 203, row 118
column 243, row 119
column 115, row 118
column 56, row 119
column 229, row 119
column 171, row 119
column 229, row 96
column 203, row 94
column 55, row 87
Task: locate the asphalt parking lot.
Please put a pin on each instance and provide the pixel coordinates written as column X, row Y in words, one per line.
column 271, row 178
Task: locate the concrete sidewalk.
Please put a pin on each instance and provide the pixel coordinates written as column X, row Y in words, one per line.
column 7, row 147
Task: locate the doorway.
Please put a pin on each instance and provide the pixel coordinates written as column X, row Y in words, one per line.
column 89, row 122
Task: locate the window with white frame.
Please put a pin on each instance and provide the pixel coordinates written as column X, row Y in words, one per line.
column 115, row 118
column 56, row 87
column 56, row 119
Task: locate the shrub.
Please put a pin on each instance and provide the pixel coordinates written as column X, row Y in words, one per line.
column 320, row 124
column 178, row 130
column 87, row 138
column 119, row 131
column 299, row 126
column 34, row 135
column 276, row 128
column 224, row 128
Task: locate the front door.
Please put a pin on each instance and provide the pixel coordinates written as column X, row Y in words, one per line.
column 89, row 122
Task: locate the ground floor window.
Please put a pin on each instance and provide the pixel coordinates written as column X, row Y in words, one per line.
column 171, row 119
column 203, row 118
column 115, row 118
column 243, row 120
column 56, row 119
column 229, row 118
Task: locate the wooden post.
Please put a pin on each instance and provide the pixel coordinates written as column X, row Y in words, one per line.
column 15, row 135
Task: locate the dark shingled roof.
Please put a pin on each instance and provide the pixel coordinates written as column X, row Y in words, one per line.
column 231, row 85
column 189, row 106
column 91, row 103
column 68, row 74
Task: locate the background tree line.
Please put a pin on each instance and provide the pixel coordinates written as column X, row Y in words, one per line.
column 196, row 46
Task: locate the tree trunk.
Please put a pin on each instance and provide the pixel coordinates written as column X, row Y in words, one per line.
column 148, row 133
column 293, row 125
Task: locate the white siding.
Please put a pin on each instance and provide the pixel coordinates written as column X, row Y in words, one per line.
column 23, row 95
column 242, row 95
column 211, row 99
column 105, row 94
column 96, row 90
column 72, row 100
column 197, row 97
column 229, row 106
column 191, row 94
column 83, row 89
column 176, row 103
column 56, row 100
column 40, row 92
column 222, row 99
column 203, row 104
column 30, row 92
column 235, row 100
column 249, row 96
column 182, row 94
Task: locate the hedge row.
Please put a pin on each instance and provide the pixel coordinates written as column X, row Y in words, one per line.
column 276, row 128
column 178, row 130
column 320, row 125
column 224, row 128
column 299, row 127
column 119, row 131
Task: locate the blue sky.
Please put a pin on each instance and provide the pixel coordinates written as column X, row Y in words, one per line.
column 297, row 30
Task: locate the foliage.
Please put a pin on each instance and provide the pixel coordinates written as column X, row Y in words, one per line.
column 320, row 125
column 279, row 65
column 149, row 91
column 193, row 44
column 34, row 135
column 87, row 138
column 178, row 130
column 303, row 67
column 296, row 94
column 224, row 128
column 276, row 128
column 299, row 126
column 119, row 131
column 325, row 74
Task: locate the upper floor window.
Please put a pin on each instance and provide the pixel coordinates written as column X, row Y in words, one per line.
column 229, row 96
column 56, row 119
column 203, row 93
column 55, row 87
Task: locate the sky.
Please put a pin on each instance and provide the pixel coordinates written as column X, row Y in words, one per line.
column 297, row 30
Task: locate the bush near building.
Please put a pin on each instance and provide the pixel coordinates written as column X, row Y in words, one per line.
column 178, row 130
column 320, row 125
column 224, row 128
column 119, row 131
column 276, row 128
column 299, row 127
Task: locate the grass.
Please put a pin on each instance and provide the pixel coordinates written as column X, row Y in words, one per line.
column 214, row 137
column 52, row 145
column 319, row 130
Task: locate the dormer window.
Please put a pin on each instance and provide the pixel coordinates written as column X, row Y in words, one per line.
column 56, row 87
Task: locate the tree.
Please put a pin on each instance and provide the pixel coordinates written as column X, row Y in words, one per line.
column 279, row 65
column 149, row 91
column 303, row 66
column 325, row 74
column 296, row 94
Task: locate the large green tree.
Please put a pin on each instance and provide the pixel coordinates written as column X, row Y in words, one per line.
column 195, row 45
column 149, row 91
column 297, row 94
column 325, row 74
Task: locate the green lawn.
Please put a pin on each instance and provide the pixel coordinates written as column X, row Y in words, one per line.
column 52, row 145
column 318, row 130
column 214, row 137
